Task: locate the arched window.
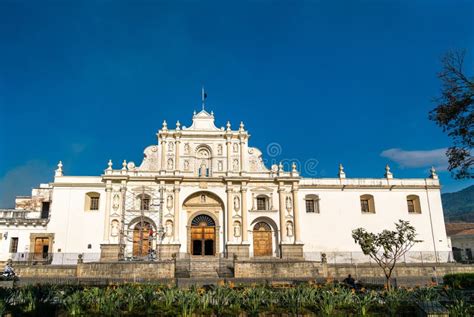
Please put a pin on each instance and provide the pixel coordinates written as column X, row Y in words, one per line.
column 144, row 200
column 263, row 202
column 312, row 203
column 92, row 200
column 413, row 203
column 367, row 204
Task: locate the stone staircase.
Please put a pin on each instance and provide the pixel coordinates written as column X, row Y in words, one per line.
column 207, row 267
column 204, row 267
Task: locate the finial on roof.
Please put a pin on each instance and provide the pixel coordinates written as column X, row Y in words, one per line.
column 280, row 167
column 165, row 125
column 124, row 165
column 341, row 173
column 178, row 125
column 59, row 170
column 388, row 174
column 228, row 125
column 433, row 173
column 109, row 165
column 241, row 128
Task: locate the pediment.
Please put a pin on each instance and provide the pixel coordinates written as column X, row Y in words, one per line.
column 203, row 121
column 262, row 189
column 202, row 200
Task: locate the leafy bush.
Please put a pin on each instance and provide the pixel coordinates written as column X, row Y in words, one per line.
column 459, row 280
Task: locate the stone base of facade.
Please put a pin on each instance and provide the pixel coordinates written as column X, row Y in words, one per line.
column 167, row 251
column 109, row 252
column 292, row 251
column 239, row 250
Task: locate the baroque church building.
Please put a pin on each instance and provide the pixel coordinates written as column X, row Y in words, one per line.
column 204, row 191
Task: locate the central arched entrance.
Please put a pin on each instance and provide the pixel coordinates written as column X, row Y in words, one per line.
column 262, row 239
column 203, row 235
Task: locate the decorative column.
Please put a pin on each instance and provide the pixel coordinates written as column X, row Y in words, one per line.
column 229, row 158
column 176, row 149
column 296, row 216
column 281, row 198
column 163, row 155
column 108, row 200
column 244, row 213
column 230, row 234
column 176, row 213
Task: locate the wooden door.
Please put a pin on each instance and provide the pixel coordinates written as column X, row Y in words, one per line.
column 41, row 248
column 141, row 249
column 262, row 240
column 203, row 240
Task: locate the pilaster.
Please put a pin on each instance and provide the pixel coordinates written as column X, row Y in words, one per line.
column 229, row 230
column 176, row 213
column 108, row 201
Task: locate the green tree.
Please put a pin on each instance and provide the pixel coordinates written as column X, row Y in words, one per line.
column 455, row 113
column 387, row 247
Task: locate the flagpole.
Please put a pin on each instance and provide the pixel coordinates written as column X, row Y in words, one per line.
column 202, row 97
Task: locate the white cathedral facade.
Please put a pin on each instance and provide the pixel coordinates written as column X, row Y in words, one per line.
column 204, row 191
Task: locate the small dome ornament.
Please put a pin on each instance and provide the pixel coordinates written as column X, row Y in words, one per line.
column 433, row 173
column 388, row 174
column 59, row 170
column 341, row 173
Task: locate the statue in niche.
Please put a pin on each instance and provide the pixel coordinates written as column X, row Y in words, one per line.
column 186, row 165
column 236, row 165
column 288, row 204
column 236, row 147
column 203, row 169
column 219, row 149
column 114, row 231
column 236, row 204
column 237, row 229
column 169, row 228
column 219, row 166
column 169, row 202
column 289, row 229
column 116, row 202
column 170, row 147
column 203, row 199
column 186, row 148
column 170, row 163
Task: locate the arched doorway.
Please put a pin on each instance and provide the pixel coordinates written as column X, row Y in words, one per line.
column 262, row 239
column 142, row 234
column 203, row 235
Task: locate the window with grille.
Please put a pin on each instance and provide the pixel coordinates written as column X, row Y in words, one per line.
column 364, row 205
column 145, row 204
column 312, row 203
column 14, row 245
column 262, row 203
column 94, row 203
column 413, row 204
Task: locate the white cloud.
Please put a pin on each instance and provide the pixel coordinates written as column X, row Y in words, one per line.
column 20, row 180
column 418, row 159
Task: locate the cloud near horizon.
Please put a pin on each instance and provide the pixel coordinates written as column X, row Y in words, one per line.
column 418, row 159
column 20, row 180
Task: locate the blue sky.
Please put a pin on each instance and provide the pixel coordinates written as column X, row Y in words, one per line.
column 329, row 81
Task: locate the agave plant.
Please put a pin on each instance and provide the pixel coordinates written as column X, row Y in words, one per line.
column 24, row 297
column 255, row 299
column 73, row 304
column 365, row 301
column 222, row 297
column 394, row 298
column 188, row 301
column 460, row 308
column 426, row 294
